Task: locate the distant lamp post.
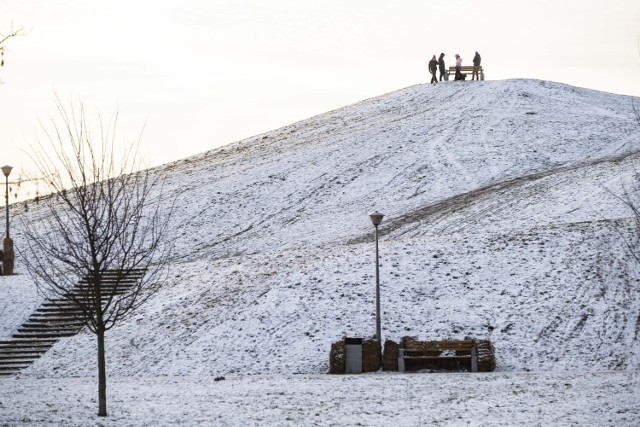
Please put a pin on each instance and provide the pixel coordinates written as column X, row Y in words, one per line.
column 7, row 243
column 376, row 219
column 6, row 170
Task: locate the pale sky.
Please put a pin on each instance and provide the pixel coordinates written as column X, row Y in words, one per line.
column 204, row 73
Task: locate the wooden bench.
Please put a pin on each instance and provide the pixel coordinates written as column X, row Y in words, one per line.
column 466, row 69
column 448, row 355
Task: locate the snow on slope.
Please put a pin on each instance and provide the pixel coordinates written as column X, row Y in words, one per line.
column 309, row 183
column 498, row 224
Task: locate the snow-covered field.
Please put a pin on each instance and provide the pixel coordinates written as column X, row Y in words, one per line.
column 501, row 222
column 587, row 399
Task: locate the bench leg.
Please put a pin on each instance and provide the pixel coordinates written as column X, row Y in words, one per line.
column 474, row 359
column 401, row 367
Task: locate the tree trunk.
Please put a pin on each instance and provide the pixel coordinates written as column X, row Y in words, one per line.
column 102, row 375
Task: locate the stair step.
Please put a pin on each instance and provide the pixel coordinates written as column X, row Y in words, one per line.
column 44, row 335
column 47, row 326
column 12, row 366
column 28, row 342
column 59, row 305
column 53, row 315
column 25, row 348
column 50, row 326
column 118, row 273
column 105, row 295
column 82, row 293
column 47, row 306
column 109, row 284
column 45, row 332
column 54, row 322
column 86, row 286
column 40, row 335
column 62, row 301
column 19, row 356
column 18, row 361
column 69, row 312
column 25, row 351
column 47, row 321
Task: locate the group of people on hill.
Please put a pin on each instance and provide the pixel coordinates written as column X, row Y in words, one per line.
column 436, row 64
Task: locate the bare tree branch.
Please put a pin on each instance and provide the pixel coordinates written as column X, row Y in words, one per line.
column 4, row 38
column 12, row 33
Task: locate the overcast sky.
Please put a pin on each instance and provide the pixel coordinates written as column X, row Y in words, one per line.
column 203, row 73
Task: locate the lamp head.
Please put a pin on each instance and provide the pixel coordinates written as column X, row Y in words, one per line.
column 6, row 170
column 376, row 218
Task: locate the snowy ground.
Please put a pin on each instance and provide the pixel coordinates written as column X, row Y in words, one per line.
column 501, row 222
column 498, row 399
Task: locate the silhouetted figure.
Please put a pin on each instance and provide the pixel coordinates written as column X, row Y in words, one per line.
column 442, row 67
column 476, row 66
column 433, row 69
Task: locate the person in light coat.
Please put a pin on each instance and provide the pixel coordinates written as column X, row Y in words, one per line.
column 458, row 68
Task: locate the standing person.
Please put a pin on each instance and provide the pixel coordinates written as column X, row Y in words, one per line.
column 433, row 69
column 458, row 68
column 442, row 67
column 476, row 66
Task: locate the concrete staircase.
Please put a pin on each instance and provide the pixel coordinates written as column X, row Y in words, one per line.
column 56, row 319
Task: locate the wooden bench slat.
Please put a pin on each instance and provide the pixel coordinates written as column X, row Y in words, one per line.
column 467, row 357
column 436, row 347
column 466, row 68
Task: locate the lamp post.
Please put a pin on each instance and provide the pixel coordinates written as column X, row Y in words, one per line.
column 7, row 243
column 6, row 170
column 376, row 219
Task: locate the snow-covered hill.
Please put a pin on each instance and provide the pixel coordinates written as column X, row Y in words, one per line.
column 501, row 222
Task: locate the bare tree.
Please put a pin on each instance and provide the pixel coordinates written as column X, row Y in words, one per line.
column 104, row 222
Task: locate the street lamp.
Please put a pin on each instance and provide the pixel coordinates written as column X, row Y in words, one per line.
column 7, row 243
column 6, row 170
column 376, row 219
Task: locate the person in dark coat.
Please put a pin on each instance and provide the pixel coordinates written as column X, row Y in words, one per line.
column 442, row 67
column 476, row 66
column 433, row 69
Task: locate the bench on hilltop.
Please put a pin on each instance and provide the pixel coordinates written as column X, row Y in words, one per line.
column 466, row 69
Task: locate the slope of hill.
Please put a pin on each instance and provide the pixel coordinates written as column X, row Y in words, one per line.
column 501, row 222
